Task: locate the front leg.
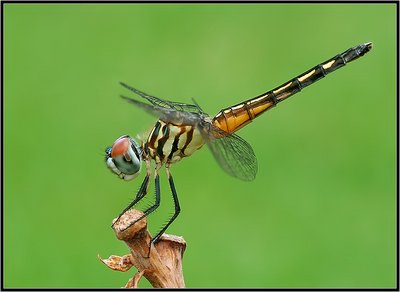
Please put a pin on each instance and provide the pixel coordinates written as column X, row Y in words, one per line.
column 157, row 201
column 140, row 194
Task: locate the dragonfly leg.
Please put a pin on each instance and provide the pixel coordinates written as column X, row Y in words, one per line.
column 176, row 205
column 156, row 203
column 140, row 194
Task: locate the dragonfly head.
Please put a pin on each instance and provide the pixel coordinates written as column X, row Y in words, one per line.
column 124, row 158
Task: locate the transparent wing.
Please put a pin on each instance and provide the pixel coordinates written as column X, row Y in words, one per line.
column 157, row 111
column 233, row 154
column 161, row 103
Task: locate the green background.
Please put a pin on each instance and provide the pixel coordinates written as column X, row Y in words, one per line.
column 322, row 210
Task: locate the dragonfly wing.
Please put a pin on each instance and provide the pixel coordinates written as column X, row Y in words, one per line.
column 147, row 107
column 233, row 154
column 192, row 108
column 166, row 114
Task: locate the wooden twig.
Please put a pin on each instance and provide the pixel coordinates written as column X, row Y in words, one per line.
column 162, row 268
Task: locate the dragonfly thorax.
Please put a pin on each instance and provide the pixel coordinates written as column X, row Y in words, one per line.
column 169, row 142
column 124, row 158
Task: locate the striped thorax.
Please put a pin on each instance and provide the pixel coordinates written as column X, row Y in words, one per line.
column 169, row 143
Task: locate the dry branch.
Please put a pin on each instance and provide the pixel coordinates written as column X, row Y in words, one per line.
column 163, row 268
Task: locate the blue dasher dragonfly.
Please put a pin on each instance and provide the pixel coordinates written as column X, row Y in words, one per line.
column 182, row 128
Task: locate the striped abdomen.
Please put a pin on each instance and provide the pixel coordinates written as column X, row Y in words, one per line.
column 169, row 143
column 233, row 118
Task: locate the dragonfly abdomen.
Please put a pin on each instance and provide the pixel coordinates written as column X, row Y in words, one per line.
column 169, row 143
column 233, row 118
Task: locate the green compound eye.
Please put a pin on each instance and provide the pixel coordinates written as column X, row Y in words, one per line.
column 123, row 158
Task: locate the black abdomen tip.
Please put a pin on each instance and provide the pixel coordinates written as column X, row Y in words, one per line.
column 368, row 46
column 363, row 48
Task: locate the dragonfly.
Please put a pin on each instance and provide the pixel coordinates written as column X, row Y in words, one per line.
column 182, row 129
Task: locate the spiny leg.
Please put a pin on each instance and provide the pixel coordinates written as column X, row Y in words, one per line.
column 156, row 203
column 176, row 205
column 140, row 194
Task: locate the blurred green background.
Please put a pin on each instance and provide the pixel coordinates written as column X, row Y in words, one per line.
column 322, row 210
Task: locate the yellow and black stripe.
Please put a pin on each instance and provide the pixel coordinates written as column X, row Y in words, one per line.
column 233, row 118
column 169, row 143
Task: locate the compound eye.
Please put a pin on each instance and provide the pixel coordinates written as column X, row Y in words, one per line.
column 120, row 147
column 124, row 157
